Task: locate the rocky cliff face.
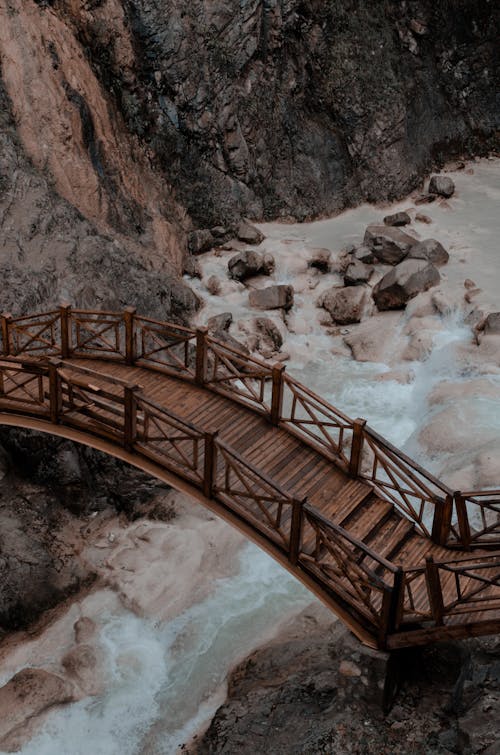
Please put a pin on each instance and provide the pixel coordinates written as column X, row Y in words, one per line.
column 124, row 124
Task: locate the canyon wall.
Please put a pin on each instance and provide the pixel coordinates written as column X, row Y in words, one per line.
column 126, row 124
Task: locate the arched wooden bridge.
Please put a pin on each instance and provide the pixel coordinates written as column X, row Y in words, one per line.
column 399, row 557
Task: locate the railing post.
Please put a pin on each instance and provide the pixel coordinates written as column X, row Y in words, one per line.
column 55, row 391
column 277, row 394
column 65, row 316
column 441, row 523
column 392, row 606
column 201, row 355
column 209, row 468
column 463, row 519
column 128, row 317
column 296, row 530
column 130, row 416
column 356, row 446
column 6, row 319
column 434, row 590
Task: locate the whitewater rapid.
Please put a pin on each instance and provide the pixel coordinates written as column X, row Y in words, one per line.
column 166, row 678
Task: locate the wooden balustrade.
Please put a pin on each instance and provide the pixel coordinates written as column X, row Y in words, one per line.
column 383, row 596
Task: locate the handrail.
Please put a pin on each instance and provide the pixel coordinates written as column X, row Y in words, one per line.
column 325, row 428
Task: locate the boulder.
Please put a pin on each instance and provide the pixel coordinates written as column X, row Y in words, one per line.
column 213, row 285
column 200, row 241
column 220, row 322
column 249, row 233
column 228, row 340
column 320, row 260
column 357, row 273
column 420, row 217
column 389, row 245
column 492, row 323
column 249, row 263
column 272, row 297
column 270, row 337
column 192, row 267
column 404, row 282
column 29, row 693
column 424, row 198
column 397, row 219
column 363, row 254
column 345, row 305
column 431, row 250
column 442, row 185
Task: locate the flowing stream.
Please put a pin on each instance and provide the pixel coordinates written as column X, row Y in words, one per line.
column 166, row 679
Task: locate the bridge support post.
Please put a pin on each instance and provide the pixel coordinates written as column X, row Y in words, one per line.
column 201, row 355
column 296, row 530
column 65, row 317
column 128, row 318
column 463, row 519
column 130, row 416
column 442, row 520
column 55, row 391
column 6, row 319
column 277, row 394
column 434, row 590
column 356, row 447
column 392, row 605
column 210, row 462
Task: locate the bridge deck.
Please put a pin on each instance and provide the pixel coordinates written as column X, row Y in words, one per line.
column 401, row 558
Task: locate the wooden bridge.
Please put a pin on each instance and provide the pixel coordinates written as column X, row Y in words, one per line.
column 398, row 556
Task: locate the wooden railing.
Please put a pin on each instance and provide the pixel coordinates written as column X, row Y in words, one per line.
column 456, row 519
column 385, row 598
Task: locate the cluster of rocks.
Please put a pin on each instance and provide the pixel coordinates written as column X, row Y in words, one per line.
column 412, row 269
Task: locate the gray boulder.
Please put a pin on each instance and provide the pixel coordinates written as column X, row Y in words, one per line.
column 492, row 323
column 430, row 250
column 320, row 260
column 249, row 233
column 269, row 334
column 220, row 322
column 357, row 273
column 200, row 241
column 272, row 297
column 364, row 254
column 345, row 305
column 249, row 263
column 389, row 245
column 405, row 281
column 442, row 185
column 397, row 219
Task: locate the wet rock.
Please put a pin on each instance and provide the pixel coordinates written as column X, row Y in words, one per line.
column 364, row 254
column 405, row 281
column 397, row 219
column 357, row 273
column 269, row 333
column 389, row 245
column 431, row 250
column 345, row 305
column 442, row 185
column 249, row 234
column 84, row 629
column 320, row 260
column 420, row 217
column 81, row 664
column 224, row 337
column 200, row 241
column 248, row 264
column 492, row 323
column 28, row 694
column 192, row 267
column 220, row 322
column 213, row 285
column 424, row 198
column 272, row 297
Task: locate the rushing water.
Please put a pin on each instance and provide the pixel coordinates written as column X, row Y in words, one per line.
column 167, row 679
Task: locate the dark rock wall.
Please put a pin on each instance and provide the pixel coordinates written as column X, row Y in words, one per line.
column 302, row 107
